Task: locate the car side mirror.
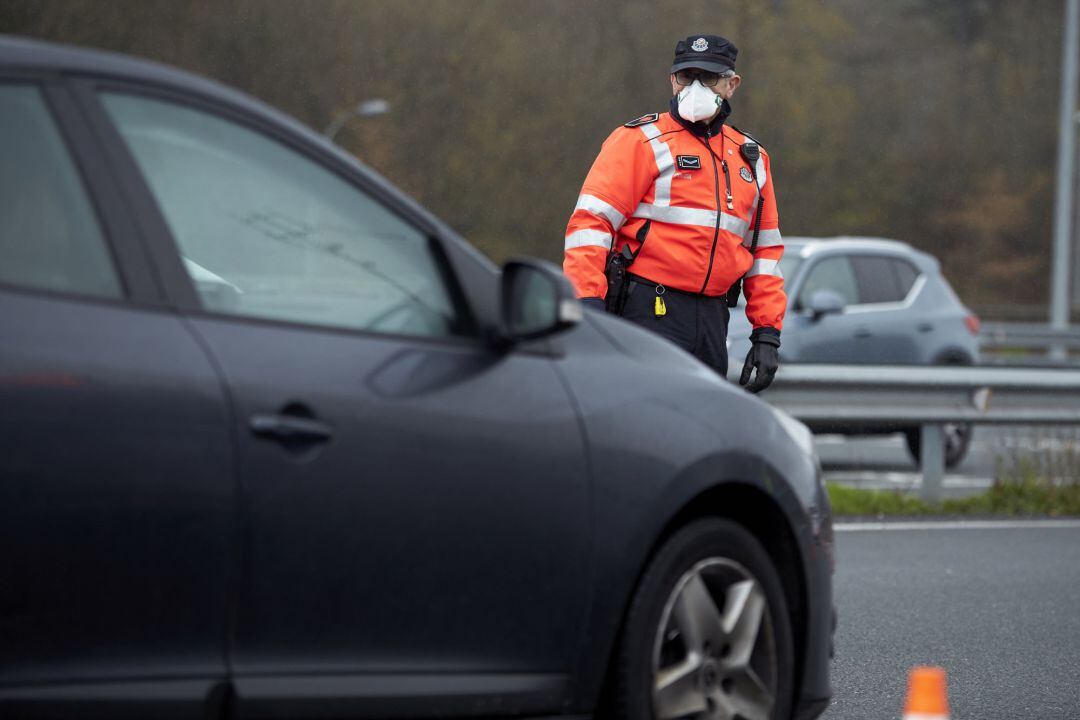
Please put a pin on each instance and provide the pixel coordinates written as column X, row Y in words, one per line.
column 825, row 302
column 537, row 301
column 216, row 292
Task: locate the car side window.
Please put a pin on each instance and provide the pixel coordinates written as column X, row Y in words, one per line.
column 50, row 238
column 267, row 232
column 877, row 279
column 832, row 273
column 906, row 274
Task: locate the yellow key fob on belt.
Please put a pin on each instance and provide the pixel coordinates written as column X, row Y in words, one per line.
column 661, row 307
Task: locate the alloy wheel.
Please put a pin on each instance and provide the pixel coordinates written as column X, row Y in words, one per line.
column 956, row 438
column 715, row 655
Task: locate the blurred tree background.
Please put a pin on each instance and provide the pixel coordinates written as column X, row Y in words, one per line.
column 932, row 122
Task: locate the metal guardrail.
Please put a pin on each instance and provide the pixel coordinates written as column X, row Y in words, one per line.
column 928, row 397
column 1029, row 336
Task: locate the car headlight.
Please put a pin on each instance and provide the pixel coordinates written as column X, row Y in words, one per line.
column 796, row 431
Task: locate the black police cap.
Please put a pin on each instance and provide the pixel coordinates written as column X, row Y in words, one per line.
column 706, row 52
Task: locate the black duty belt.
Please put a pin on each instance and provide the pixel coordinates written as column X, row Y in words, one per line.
column 638, row 280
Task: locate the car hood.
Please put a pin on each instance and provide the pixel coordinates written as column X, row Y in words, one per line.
column 670, row 375
column 628, row 381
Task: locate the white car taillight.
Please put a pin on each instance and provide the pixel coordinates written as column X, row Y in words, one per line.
column 973, row 324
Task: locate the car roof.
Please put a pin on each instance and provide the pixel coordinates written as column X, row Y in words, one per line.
column 805, row 247
column 22, row 53
column 39, row 55
column 27, row 53
column 810, row 245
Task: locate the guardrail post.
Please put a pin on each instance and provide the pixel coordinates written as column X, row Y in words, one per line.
column 932, row 460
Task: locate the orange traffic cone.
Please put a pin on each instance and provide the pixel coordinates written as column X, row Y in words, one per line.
column 926, row 698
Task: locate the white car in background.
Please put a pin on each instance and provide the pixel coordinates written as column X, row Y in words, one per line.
column 858, row 300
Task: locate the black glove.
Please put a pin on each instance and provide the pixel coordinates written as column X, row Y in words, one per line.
column 764, row 355
column 593, row 302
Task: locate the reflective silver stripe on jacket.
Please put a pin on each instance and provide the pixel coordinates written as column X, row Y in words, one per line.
column 596, row 206
column 766, row 238
column 762, row 266
column 698, row 217
column 665, row 163
column 584, row 238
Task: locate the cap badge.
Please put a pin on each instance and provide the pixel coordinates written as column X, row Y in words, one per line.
column 700, row 45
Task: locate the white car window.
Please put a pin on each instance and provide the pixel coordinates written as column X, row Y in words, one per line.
column 877, row 280
column 906, row 274
column 50, row 238
column 267, row 232
column 832, row 273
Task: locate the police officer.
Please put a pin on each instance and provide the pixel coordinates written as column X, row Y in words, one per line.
column 686, row 203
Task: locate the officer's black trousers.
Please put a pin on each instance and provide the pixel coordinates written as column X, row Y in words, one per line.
column 696, row 323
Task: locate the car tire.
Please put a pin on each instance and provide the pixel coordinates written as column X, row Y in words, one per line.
column 707, row 633
column 957, row 442
column 957, row 436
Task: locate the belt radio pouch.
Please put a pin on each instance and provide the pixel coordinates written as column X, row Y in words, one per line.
column 617, row 272
column 750, row 152
column 618, row 280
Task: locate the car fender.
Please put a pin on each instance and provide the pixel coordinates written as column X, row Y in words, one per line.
column 623, row 553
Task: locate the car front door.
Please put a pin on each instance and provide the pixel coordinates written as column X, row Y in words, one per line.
column 414, row 504
column 116, row 486
column 832, row 338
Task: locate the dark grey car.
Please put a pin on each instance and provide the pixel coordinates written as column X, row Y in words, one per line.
column 856, row 300
column 278, row 443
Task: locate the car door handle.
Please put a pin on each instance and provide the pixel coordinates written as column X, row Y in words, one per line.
column 925, row 327
column 863, row 332
column 290, row 427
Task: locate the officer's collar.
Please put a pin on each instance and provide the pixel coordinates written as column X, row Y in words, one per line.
column 701, row 129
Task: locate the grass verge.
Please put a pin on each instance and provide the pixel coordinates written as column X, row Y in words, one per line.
column 1018, row 496
column 1040, row 477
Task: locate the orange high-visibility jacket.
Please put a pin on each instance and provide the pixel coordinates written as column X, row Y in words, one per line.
column 688, row 203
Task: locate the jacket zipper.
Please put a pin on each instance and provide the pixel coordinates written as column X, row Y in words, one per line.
column 716, row 230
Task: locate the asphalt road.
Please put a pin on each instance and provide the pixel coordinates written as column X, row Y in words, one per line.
column 997, row 605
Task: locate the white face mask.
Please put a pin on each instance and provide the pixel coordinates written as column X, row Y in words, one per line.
column 698, row 102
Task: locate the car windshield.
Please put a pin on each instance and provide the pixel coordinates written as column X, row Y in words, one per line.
column 789, row 265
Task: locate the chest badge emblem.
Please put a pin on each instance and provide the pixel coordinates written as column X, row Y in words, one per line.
column 746, row 175
column 688, row 162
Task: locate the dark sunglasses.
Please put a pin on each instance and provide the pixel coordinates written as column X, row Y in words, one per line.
column 708, row 79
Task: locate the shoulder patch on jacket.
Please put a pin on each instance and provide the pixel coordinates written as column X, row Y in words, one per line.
column 643, row 120
column 748, row 136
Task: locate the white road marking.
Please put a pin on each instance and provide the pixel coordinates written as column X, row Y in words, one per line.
column 956, row 525
column 911, row 480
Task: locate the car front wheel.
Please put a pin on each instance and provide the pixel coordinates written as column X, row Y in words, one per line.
column 708, row 634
